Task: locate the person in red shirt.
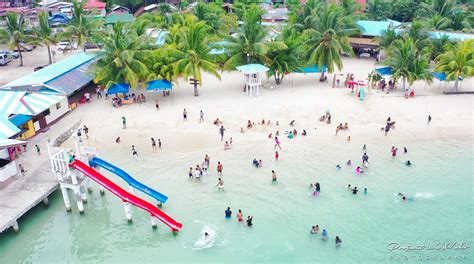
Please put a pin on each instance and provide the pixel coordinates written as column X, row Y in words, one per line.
column 276, row 155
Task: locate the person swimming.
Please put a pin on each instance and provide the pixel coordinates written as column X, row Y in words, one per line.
column 349, row 163
column 355, row 190
column 408, row 163
column 315, row 229
column 325, row 234
column 317, row 188
column 349, row 187
column 338, row 167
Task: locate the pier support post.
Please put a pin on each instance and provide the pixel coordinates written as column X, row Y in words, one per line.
column 15, row 226
column 101, row 190
column 80, row 204
column 128, row 211
column 88, row 185
column 154, row 223
column 67, row 203
column 46, row 201
column 83, row 194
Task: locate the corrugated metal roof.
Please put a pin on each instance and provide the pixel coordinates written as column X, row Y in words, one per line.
column 39, row 102
column 29, row 104
column 52, row 71
column 9, row 101
column 7, row 128
column 73, row 80
column 19, row 120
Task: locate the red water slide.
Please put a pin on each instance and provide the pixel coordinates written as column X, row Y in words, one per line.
column 126, row 196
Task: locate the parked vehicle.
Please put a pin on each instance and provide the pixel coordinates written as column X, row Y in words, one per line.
column 4, row 59
column 39, row 67
column 24, row 47
column 10, row 53
column 89, row 45
column 65, row 45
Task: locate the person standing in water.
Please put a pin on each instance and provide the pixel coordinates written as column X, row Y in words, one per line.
column 153, row 144
column 274, row 176
column 277, row 143
column 315, row 229
column 221, row 131
column 228, row 213
column 240, row 216
column 185, row 115
column 219, row 168
column 201, row 116
column 365, row 158
column 317, row 188
column 249, row 221
column 338, row 241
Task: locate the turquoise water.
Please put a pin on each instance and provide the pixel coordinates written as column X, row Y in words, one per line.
column 440, row 182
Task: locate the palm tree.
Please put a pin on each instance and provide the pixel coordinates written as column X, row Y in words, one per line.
column 437, row 22
column 443, row 8
column 15, row 34
column 249, row 45
column 82, row 27
column 119, row 62
column 287, row 60
column 328, row 37
column 440, row 45
column 191, row 56
column 457, row 62
column 408, row 63
column 45, row 34
column 377, row 9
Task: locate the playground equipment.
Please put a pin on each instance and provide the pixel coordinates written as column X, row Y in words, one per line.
column 73, row 173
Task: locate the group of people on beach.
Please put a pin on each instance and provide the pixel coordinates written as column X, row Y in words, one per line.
column 325, row 236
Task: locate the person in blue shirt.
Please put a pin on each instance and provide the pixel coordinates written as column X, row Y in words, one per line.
column 228, row 213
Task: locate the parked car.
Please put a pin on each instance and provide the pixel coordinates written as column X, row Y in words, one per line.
column 10, row 53
column 4, row 59
column 89, row 45
column 65, row 45
column 24, row 47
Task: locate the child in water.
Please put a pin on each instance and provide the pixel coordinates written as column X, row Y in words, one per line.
column 408, row 163
column 315, row 229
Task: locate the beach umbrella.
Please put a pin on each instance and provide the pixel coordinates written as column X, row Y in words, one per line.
column 158, row 86
column 118, row 88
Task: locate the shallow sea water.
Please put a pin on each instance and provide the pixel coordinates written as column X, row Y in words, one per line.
column 440, row 182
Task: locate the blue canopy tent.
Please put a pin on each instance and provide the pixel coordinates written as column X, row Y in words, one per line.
column 118, row 88
column 311, row 69
column 384, row 71
column 159, row 85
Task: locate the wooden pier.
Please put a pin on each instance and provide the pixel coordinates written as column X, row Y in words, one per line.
column 20, row 194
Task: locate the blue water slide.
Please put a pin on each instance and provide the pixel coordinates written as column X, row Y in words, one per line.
column 127, row 178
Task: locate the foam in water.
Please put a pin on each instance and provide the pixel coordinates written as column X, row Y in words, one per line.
column 206, row 241
column 423, row 195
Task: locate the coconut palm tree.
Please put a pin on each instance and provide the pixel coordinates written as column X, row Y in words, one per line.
column 287, row 60
column 437, row 22
column 191, row 55
column 457, row 62
column 120, row 60
column 408, row 63
column 440, row 45
column 250, row 45
column 15, row 34
column 328, row 37
column 82, row 27
column 45, row 33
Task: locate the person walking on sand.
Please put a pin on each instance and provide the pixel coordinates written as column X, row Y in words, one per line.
column 277, row 155
column 38, row 150
column 22, row 170
column 429, row 119
column 124, row 122
column 221, row 131
column 97, row 91
column 201, row 116
column 277, row 143
column 219, row 168
column 159, row 143
column 134, row 151
column 157, row 105
column 153, row 144
column 86, row 131
column 185, row 116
